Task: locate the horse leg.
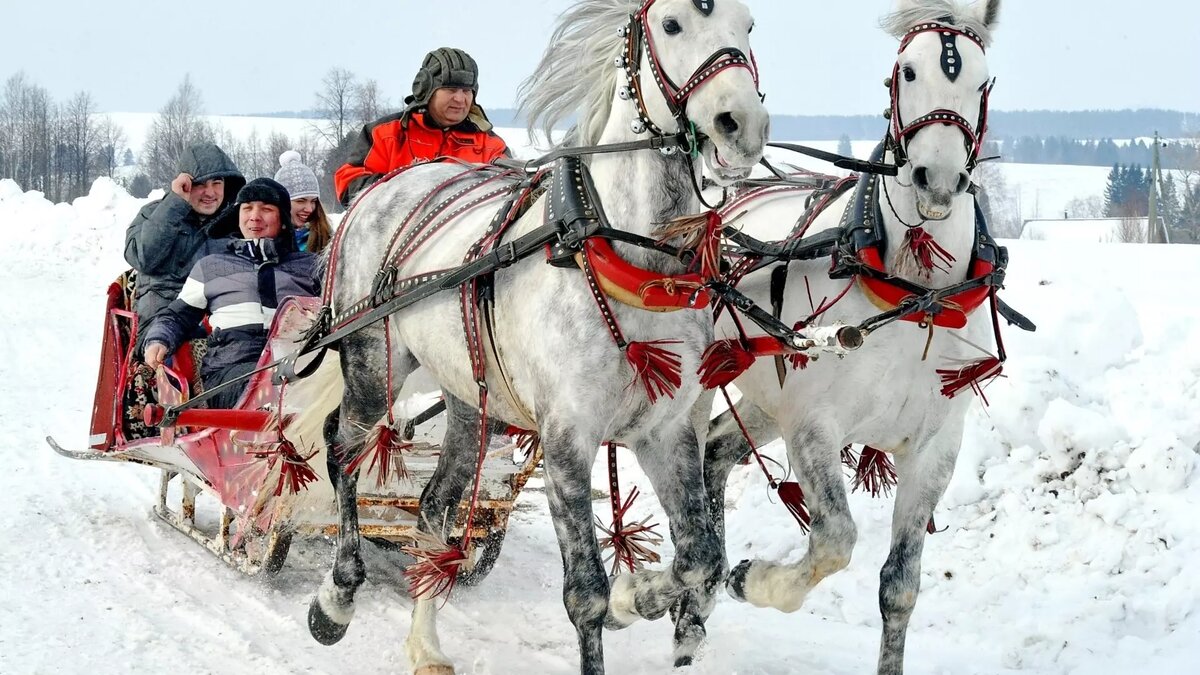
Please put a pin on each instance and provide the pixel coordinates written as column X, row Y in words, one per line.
column 922, row 478
column 363, row 404
column 815, row 458
column 724, row 447
column 569, row 460
column 678, row 480
column 439, row 507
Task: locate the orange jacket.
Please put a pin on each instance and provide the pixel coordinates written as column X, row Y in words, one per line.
column 399, row 140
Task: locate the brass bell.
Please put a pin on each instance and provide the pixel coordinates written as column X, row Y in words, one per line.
column 887, row 82
column 887, row 114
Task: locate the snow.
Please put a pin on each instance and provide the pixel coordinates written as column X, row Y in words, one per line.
column 1070, row 541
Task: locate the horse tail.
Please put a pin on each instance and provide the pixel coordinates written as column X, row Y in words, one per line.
column 313, row 398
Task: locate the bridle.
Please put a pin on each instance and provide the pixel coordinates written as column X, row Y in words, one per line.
column 899, row 133
column 638, row 38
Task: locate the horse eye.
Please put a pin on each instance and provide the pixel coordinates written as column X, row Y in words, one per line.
column 672, row 27
column 751, row 29
column 909, row 74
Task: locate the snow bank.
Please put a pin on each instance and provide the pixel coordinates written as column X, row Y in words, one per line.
column 1070, row 546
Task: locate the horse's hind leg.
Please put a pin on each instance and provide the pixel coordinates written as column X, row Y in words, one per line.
column 816, row 459
column 439, row 506
column 724, row 447
column 922, row 478
column 672, row 462
column 363, row 404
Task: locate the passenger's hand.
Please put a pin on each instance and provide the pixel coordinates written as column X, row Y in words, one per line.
column 156, row 353
column 182, row 185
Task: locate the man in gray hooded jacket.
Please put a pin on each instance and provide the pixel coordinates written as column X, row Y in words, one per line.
column 169, row 235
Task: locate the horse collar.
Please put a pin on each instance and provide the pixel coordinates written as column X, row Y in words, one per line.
column 861, row 256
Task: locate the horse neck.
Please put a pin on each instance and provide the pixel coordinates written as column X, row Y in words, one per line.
column 956, row 234
column 642, row 189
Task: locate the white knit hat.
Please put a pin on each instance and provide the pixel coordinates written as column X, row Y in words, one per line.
column 299, row 180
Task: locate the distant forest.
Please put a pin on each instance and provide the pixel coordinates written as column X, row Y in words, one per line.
column 1092, row 138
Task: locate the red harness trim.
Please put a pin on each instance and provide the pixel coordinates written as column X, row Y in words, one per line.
column 956, row 308
column 637, row 287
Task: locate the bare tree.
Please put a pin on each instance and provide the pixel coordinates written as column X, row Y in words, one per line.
column 277, row 144
column 1131, row 231
column 1085, row 207
column 999, row 204
column 113, row 146
column 369, row 104
column 336, row 106
column 180, row 123
column 81, row 143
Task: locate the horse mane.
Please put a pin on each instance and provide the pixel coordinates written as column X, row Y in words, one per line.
column 576, row 74
column 897, row 23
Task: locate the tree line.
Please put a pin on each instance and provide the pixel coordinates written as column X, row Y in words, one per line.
column 58, row 148
column 1105, row 152
column 1127, row 195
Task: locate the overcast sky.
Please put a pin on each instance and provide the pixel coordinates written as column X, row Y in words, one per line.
column 816, row 57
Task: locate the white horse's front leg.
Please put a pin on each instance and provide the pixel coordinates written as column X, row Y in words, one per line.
column 815, row 459
column 423, row 647
column 922, row 477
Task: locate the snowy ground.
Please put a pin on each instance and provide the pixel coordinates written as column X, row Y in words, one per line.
column 1070, row 543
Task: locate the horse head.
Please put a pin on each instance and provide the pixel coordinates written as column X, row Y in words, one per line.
column 939, row 96
column 689, row 68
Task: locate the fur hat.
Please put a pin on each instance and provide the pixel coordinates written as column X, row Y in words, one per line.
column 444, row 67
column 295, row 177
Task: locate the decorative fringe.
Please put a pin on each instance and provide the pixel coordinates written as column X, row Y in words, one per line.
column 792, row 497
column 701, row 234
column 875, row 472
column 436, row 569
column 526, row 441
column 926, row 251
column 723, row 362
column 385, row 446
column 657, row 368
column 850, row 458
column 631, row 544
column 799, row 361
column 974, row 375
column 294, row 472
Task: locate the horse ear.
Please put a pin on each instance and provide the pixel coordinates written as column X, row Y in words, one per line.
column 991, row 14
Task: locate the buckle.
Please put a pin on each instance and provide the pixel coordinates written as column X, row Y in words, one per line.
column 506, row 254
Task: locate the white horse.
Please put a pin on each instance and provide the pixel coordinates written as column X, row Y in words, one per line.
column 554, row 361
column 888, row 394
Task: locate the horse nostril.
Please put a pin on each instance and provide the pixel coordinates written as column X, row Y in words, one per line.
column 964, row 182
column 725, row 123
column 920, row 177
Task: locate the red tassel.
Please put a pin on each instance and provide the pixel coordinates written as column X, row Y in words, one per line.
column 792, row 497
column 928, row 253
column 975, row 375
column 875, row 472
column 383, row 446
column 723, row 362
column 527, row 441
column 709, row 251
column 657, row 368
column 295, row 473
column 631, row 544
column 850, row 458
column 799, row 361
column 436, row 569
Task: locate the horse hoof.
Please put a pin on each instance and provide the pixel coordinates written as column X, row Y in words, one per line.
column 735, row 583
column 322, row 627
column 434, row 670
column 683, row 661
